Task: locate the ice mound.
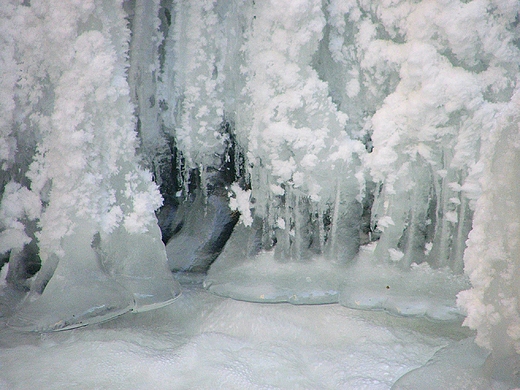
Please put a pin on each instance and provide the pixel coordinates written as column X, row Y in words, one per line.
column 74, row 297
column 138, row 262
column 266, row 279
column 415, row 292
column 95, row 282
column 89, row 298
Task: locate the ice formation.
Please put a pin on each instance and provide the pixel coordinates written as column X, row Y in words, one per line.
column 72, row 179
column 306, row 151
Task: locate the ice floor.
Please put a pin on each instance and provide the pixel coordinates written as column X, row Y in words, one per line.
column 203, row 341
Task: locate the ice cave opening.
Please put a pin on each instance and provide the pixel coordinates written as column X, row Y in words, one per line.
column 346, row 152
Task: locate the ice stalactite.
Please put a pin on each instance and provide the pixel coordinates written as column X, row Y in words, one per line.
column 143, row 72
column 98, row 241
column 149, row 23
column 193, row 82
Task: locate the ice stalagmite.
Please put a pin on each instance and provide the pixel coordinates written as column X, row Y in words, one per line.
column 98, row 240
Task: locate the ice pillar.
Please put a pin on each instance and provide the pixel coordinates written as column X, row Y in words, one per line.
column 492, row 259
column 98, row 239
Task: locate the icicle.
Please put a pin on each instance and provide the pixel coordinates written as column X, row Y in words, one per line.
column 335, row 216
column 193, row 87
column 142, row 78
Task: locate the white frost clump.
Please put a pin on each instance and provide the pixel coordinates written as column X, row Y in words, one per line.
column 295, row 134
column 18, row 205
column 239, row 201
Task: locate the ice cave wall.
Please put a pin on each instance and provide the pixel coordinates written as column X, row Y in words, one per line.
column 327, row 125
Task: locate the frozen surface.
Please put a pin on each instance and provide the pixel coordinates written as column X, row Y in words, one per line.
column 267, row 280
column 328, row 125
column 415, row 292
column 460, row 365
column 366, row 284
column 202, row 341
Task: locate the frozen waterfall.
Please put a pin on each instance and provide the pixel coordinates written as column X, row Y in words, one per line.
column 312, row 151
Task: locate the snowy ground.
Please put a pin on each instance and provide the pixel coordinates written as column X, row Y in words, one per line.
column 203, row 341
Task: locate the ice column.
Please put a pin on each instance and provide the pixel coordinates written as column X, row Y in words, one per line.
column 98, row 239
column 301, row 161
column 492, row 259
column 425, row 92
